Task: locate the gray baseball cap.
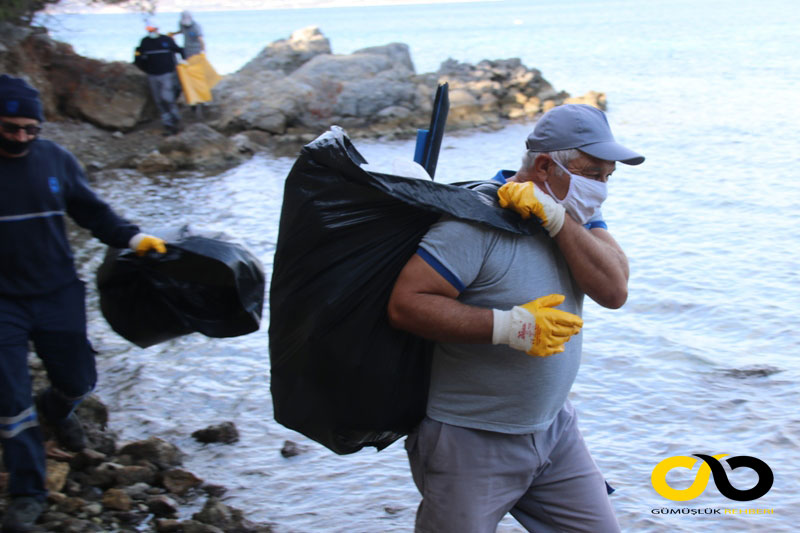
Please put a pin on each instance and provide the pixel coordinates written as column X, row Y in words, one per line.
column 579, row 126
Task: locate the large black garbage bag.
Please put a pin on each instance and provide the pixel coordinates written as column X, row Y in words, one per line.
column 204, row 283
column 340, row 374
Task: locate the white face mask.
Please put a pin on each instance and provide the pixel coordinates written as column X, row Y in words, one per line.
column 584, row 197
column 153, row 34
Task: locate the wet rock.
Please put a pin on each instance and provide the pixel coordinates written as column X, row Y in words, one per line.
column 87, row 458
column 214, row 490
column 57, row 473
column 202, row 148
column 226, row 518
column 755, row 371
column 156, row 450
column 155, row 163
column 168, row 525
column 292, row 449
column 193, row 526
column 117, row 499
column 71, row 505
column 130, row 475
column 92, row 509
column 162, row 506
column 180, row 481
column 138, row 491
column 104, row 475
column 225, row 432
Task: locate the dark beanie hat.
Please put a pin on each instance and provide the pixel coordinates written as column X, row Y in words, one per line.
column 19, row 99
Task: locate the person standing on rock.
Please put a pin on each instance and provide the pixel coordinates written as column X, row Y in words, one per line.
column 193, row 43
column 155, row 56
column 41, row 296
column 500, row 435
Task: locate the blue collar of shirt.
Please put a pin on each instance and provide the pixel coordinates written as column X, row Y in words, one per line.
column 503, row 175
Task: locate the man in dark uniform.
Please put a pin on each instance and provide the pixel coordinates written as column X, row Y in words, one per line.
column 41, row 297
column 156, row 57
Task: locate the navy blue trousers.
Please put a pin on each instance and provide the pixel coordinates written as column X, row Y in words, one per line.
column 56, row 325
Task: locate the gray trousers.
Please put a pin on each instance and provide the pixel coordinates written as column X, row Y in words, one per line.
column 164, row 89
column 469, row 479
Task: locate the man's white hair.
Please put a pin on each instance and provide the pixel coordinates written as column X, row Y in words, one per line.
column 562, row 156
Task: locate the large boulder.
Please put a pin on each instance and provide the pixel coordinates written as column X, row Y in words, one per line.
column 491, row 91
column 201, row 147
column 296, row 85
column 357, row 90
column 265, row 100
column 286, row 55
column 198, row 147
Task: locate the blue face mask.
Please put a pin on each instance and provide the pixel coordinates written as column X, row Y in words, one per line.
column 584, row 197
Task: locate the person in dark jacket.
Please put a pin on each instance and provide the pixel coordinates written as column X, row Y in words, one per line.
column 155, row 56
column 41, row 296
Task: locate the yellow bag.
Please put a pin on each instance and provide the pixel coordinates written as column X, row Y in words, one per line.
column 212, row 78
column 197, row 78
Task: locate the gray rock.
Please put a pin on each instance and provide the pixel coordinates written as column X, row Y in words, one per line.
column 292, row 449
column 225, row 432
column 193, row 526
column 398, row 53
column 130, row 475
column 178, row 481
column 162, row 506
column 156, row 450
column 200, row 147
column 286, row 55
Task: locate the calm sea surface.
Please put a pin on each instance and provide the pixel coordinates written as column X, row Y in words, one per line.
column 702, row 358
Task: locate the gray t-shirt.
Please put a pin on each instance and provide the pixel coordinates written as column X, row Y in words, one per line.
column 191, row 39
column 497, row 388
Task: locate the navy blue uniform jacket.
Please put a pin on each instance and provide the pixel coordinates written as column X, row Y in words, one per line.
column 36, row 192
column 156, row 55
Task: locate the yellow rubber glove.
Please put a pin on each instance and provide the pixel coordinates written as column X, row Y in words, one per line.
column 527, row 199
column 142, row 244
column 536, row 328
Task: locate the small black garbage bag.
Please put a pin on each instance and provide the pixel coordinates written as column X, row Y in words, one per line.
column 204, row 283
column 340, row 374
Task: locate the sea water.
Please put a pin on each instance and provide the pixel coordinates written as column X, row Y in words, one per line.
column 701, row 359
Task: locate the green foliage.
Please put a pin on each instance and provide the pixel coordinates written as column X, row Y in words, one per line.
column 21, row 11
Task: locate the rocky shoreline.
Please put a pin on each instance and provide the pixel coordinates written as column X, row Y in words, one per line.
column 134, row 486
column 286, row 96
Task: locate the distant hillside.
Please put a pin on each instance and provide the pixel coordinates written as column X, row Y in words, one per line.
column 168, row 6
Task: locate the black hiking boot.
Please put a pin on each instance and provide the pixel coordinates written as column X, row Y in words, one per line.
column 68, row 432
column 21, row 514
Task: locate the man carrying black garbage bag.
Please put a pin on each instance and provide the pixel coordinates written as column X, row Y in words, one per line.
column 155, row 56
column 41, row 297
column 500, row 434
